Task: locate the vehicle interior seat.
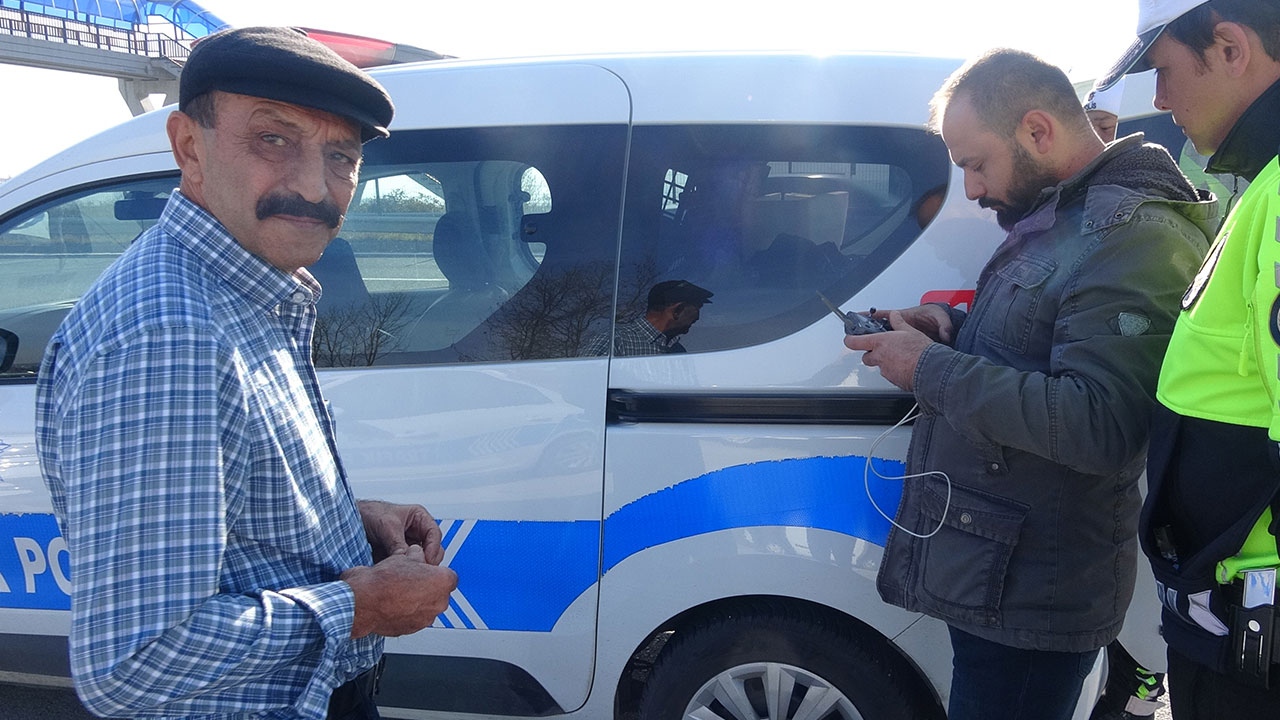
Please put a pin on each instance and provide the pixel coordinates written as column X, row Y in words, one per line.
column 472, row 296
column 342, row 286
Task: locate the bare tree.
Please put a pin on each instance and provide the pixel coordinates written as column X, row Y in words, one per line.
column 554, row 314
column 357, row 335
column 634, row 282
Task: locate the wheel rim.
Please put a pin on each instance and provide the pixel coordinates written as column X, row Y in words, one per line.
column 756, row 691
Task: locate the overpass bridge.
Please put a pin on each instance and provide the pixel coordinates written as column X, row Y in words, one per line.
column 142, row 43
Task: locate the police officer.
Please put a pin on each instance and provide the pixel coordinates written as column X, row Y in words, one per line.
column 1209, row 522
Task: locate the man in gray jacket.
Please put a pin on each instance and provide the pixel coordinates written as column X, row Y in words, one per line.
column 1035, row 405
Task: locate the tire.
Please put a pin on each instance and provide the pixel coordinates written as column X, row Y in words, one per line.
column 764, row 661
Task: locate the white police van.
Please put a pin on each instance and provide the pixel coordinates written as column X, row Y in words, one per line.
column 633, row 536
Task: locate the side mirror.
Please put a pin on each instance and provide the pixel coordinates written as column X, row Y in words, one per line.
column 8, row 350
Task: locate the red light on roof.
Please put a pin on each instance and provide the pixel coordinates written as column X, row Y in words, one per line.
column 359, row 51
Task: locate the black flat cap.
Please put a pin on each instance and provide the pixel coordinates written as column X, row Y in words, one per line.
column 284, row 64
column 669, row 292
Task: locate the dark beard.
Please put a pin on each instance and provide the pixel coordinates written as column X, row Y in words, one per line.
column 1029, row 179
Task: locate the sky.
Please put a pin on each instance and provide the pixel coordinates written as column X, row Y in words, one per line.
column 45, row 110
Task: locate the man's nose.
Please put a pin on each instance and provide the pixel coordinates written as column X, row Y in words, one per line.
column 307, row 177
column 973, row 189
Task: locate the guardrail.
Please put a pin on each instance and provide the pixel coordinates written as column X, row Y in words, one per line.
column 21, row 23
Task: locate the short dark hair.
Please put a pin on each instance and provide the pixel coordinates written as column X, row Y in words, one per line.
column 1194, row 28
column 203, row 108
column 1004, row 85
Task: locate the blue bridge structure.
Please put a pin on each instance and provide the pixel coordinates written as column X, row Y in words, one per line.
column 142, row 44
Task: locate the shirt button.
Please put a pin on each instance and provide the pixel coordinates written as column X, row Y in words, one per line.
column 995, row 467
column 298, row 297
column 966, row 518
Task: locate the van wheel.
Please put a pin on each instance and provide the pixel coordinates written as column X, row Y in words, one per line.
column 766, row 662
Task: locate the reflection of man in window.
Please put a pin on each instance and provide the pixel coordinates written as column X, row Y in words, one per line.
column 673, row 307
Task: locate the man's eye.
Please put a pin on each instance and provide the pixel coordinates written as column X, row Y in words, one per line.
column 342, row 158
column 272, row 139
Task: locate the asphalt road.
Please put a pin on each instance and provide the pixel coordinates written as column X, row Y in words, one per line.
column 18, row 702
column 27, row 703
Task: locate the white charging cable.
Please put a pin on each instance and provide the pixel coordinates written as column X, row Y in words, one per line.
column 867, row 469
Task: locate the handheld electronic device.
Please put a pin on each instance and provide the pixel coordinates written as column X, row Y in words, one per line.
column 856, row 323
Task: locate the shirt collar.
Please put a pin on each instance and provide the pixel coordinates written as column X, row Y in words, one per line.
column 248, row 274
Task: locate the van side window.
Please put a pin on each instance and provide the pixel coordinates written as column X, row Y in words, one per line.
column 52, row 252
column 474, row 245
column 767, row 217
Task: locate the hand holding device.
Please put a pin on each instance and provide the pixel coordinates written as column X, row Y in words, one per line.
column 932, row 319
column 856, row 323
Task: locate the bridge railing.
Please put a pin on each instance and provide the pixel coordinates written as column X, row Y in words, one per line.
column 43, row 27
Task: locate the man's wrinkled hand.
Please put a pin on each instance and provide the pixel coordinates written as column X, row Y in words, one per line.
column 896, row 352
column 399, row 595
column 931, row 319
column 391, row 529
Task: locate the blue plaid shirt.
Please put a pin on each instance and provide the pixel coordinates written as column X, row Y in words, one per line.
column 193, row 471
column 638, row 337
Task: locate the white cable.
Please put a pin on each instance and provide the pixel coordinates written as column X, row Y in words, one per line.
column 912, row 414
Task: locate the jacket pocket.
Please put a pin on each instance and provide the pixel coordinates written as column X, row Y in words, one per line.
column 1011, row 301
column 963, row 567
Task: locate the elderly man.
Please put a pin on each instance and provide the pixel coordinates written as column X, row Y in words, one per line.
column 1019, row 530
column 1212, row 515
column 672, row 308
column 220, row 565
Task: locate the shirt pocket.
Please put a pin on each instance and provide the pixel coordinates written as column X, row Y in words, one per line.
column 963, row 567
column 1011, row 302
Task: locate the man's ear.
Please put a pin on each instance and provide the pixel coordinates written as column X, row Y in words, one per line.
column 1036, row 132
column 186, row 139
column 1232, row 47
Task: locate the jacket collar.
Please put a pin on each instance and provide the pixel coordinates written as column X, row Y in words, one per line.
column 1042, row 216
column 1079, row 183
column 1253, row 141
column 1107, row 204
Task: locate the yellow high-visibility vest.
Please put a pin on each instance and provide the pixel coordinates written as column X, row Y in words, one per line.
column 1223, row 361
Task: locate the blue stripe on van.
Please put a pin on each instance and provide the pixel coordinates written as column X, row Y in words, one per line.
column 524, row 575
column 33, row 563
column 823, row 492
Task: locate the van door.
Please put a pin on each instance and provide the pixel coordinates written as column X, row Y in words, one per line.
column 51, row 250
column 473, row 275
